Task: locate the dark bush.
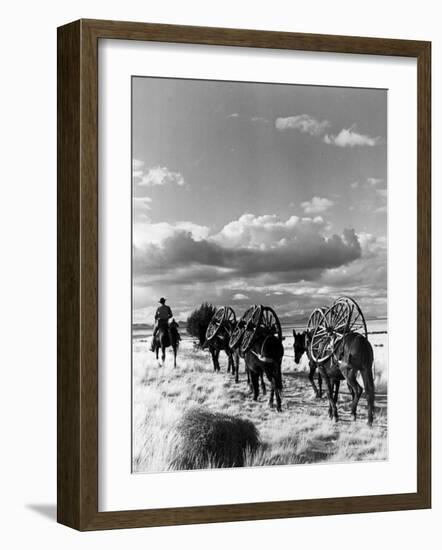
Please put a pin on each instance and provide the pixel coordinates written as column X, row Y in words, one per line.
column 204, row 439
column 199, row 320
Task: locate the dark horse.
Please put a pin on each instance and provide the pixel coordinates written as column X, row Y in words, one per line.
column 221, row 343
column 167, row 335
column 301, row 345
column 352, row 354
column 264, row 357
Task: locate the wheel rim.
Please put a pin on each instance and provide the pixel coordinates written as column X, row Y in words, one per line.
column 271, row 322
column 320, row 339
column 238, row 331
column 229, row 321
column 215, row 324
column 356, row 319
column 252, row 320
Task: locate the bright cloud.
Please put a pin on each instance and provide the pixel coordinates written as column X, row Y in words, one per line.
column 159, row 175
column 304, row 123
column 267, row 231
column 374, row 181
column 347, row 137
column 262, row 247
column 146, row 233
column 317, row 205
column 239, row 296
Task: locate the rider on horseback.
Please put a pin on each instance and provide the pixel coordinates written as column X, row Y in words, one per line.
column 162, row 316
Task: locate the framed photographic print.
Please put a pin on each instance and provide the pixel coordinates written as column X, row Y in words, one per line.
column 243, row 275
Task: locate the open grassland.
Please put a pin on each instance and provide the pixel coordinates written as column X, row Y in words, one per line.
column 301, row 434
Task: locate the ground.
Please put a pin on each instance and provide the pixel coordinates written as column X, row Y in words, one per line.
column 301, row 433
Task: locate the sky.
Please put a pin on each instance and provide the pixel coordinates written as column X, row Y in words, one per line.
column 254, row 193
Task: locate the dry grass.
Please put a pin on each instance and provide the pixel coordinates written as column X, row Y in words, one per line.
column 302, row 433
column 202, row 438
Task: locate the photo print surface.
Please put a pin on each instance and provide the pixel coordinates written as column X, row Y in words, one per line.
column 259, row 274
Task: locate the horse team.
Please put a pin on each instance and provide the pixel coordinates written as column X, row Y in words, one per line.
column 263, row 355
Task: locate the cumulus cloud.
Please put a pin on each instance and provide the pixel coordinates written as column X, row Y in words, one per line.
column 159, row 175
column 261, row 247
column 347, row 137
column 304, row 271
column 304, row 123
column 382, row 193
column 267, row 231
column 239, row 296
column 317, row 205
column 155, row 233
column 354, row 184
column 233, row 115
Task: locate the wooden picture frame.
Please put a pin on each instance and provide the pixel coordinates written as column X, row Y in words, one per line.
column 77, row 460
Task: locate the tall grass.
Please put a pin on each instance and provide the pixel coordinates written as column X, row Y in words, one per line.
column 302, row 433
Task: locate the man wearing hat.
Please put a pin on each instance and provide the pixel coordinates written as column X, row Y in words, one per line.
column 162, row 316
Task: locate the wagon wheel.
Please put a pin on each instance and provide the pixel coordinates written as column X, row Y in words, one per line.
column 315, row 319
column 215, row 323
column 229, row 320
column 271, row 322
column 331, row 327
column 317, row 327
column 251, row 328
column 356, row 322
column 238, row 331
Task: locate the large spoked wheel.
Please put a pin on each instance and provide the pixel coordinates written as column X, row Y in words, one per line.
column 270, row 322
column 251, row 328
column 331, row 327
column 356, row 321
column 229, row 321
column 215, row 323
column 238, row 331
column 314, row 319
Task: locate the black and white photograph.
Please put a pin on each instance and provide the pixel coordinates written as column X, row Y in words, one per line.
column 259, row 274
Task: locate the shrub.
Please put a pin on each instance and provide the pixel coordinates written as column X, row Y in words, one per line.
column 199, row 320
column 204, row 439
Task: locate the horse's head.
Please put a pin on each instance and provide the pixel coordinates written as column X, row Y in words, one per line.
column 299, row 344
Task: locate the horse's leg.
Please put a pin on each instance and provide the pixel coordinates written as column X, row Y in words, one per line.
column 357, row 391
column 157, row 349
column 367, row 377
column 174, row 356
column 275, row 391
column 163, row 353
column 311, row 377
column 255, row 385
column 272, row 393
column 332, row 409
column 320, row 384
column 335, row 396
column 236, row 365
column 249, row 379
column 263, row 385
column 229, row 361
